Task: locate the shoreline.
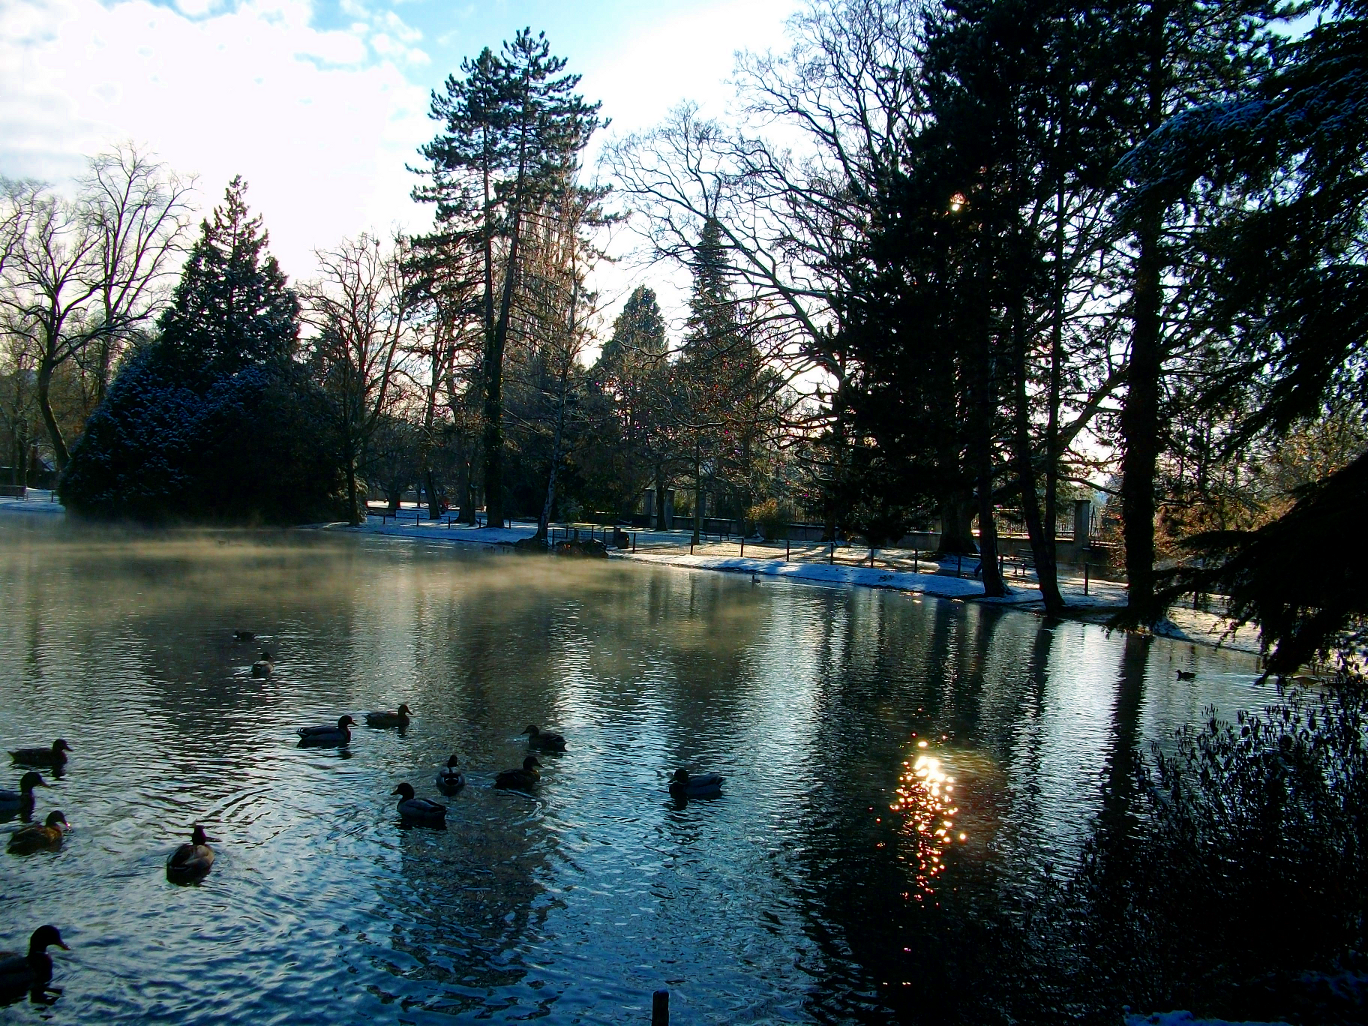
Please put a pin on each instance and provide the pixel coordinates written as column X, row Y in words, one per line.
column 1103, row 599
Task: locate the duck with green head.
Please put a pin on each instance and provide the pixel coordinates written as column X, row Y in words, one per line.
column 328, row 735
column 413, row 809
column 449, row 778
column 21, row 800
column 523, row 779
column 31, row 973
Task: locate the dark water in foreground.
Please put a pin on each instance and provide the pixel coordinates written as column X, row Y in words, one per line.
column 837, row 880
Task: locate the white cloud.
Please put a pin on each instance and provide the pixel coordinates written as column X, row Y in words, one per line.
column 320, row 127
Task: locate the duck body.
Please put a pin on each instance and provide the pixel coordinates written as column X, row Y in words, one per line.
column 243, row 636
column 523, row 779
column 413, row 809
column 54, row 756
column 328, row 734
column 263, row 667
column 1187, row 675
column 39, row 836
column 696, row 785
column 449, row 778
column 14, row 801
column 191, row 861
column 547, row 742
column 31, row 972
column 384, row 718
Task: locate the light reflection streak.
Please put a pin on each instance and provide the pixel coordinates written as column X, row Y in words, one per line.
column 926, row 804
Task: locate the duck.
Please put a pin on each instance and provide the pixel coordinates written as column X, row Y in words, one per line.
column 191, row 861
column 385, row 718
column 39, row 836
column 243, row 636
column 327, row 734
column 544, row 741
column 54, row 756
column 261, row 669
column 419, row 810
column 449, row 778
column 1187, row 675
column 696, row 785
column 31, row 972
column 520, row 779
column 13, row 801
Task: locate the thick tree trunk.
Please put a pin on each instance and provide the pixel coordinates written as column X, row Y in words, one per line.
column 993, row 586
column 544, row 521
column 45, row 369
column 957, row 519
column 660, row 485
column 353, row 507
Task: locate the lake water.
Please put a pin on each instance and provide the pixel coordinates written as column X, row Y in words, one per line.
column 837, row 880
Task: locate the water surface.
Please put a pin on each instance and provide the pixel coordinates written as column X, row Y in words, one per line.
column 839, row 879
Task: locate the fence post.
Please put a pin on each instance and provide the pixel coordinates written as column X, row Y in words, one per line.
column 786, row 550
column 660, row 1008
column 691, row 546
column 743, row 546
column 916, row 568
column 634, row 544
column 1085, row 578
column 959, row 563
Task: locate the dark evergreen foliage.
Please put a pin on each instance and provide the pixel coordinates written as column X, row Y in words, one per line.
column 212, row 421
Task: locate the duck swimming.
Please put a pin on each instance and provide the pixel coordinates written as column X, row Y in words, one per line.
column 243, row 636
column 1187, row 675
column 39, row 836
column 547, row 742
column 698, row 785
column 13, row 801
column 385, row 718
column 419, row 810
column 31, row 972
column 191, row 861
column 449, row 778
column 520, row 779
column 54, row 756
column 327, row 734
column 263, row 667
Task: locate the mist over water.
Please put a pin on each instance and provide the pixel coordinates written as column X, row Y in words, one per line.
column 828, row 884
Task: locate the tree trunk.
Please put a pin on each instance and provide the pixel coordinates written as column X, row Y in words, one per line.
column 1140, row 426
column 45, row 369
column 660, row 484
column 544, row 522
column 957, row 534
column 353, row 508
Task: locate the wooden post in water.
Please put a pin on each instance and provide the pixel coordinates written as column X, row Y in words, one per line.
column 660, row 1008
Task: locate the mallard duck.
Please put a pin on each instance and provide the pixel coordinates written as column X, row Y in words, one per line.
column 697, row 785
column 39, row 836
column 1187, row 675
column 54, row 756
column 520, row 779
column 243, row 636
column 31, row 972
column 449, row 778
column 547, row 742
column 385, row 718
column 418, row 810
column 191, row 861
column 327, row 734
column 11, row 801
column 261, row 669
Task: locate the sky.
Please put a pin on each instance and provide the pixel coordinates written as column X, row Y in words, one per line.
column 320, row 104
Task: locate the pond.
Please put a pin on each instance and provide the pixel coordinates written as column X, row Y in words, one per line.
column 894, row 765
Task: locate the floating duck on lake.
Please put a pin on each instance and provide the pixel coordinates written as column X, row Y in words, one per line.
column 520, row 779
column 263, row 667
column 327, row 734
column 191, row 861
column 39, row 836
column 449, row 778
column 31, row 972
column 698, row 785
column 54, row 756
column 1187, row 675
column 544, row 741
column 243, row 636
column 384, row 718
column 15, row 801
column 419, row 810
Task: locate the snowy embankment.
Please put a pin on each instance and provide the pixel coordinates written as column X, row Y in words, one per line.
column 38, row 502
column 1186, row 1019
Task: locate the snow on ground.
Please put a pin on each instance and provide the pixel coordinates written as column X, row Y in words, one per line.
column 1186, row 1019
column 37, row 501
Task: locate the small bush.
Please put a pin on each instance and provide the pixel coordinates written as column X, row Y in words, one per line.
column 770, row 519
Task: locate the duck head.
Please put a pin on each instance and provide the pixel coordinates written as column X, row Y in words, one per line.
column 45, row 937
column 265, row 655
column 60, row 745
column 405, row 711
column 344, row 722
column 531, row 731
column 405, row 791
column 530, row 761
column 58, row 821
column 199, row 837
column 30, row 780
column 451, row 763
column 681, row 776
